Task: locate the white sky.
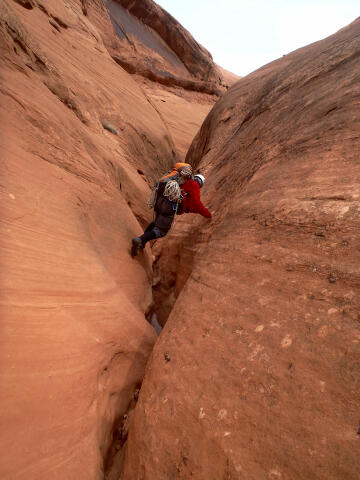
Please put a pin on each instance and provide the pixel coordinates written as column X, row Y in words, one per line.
column 243, row 35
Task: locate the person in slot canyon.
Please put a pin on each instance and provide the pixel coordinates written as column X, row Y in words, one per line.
column 191, row 202
column 178, row 192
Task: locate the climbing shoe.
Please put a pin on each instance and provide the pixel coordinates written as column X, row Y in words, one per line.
column 136, row 245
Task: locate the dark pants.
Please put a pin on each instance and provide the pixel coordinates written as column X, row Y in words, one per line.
column 152, row 232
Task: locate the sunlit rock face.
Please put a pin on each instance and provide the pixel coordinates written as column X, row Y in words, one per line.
column 177, row 74
column 256, row 373
column 81, row 142
column 153, row 41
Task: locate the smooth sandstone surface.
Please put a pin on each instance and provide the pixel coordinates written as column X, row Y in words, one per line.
column 74, row 339
column 183, row 111
column 256, row 373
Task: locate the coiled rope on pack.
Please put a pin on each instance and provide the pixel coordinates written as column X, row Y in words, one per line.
column 186, row 171
column 172, row 191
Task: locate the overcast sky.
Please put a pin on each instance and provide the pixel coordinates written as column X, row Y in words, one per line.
column 243, row 35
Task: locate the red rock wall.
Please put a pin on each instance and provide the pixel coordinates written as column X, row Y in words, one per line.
column 256, row 374
column 181, row 99
column 154, row 45
column 74, row 339
column 197, row 60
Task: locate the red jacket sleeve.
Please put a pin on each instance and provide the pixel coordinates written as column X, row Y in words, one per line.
column 193, row 202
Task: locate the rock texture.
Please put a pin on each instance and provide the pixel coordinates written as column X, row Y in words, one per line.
column 229, row 78
column 256, row 374
column 154, row 44
column 182, row 97
column 182, row 111
column 80, row 143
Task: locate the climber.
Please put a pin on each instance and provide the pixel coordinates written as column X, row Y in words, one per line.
column 166, row 200
column 191, row 197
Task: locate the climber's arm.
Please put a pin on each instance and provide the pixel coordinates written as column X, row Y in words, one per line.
column 195, row 205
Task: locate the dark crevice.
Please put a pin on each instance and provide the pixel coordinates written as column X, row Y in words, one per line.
column 339, row 198
column 60, row 22
column 172, row 267
column 54, row 24
column 28, row 4
column 331, row 110
column 84, row 7
column 21, row 45
column 43, row 9
column 113, row 462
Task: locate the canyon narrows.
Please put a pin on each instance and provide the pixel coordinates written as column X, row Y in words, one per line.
column 256, row 372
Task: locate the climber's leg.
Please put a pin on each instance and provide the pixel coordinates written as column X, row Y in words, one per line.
column 147, row 236
column 150, row 227
column 151, row 233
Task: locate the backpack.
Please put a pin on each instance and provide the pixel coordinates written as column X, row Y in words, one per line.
column 169, row 185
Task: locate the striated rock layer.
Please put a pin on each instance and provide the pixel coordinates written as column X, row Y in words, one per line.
column 80, row 142
column 256, row 374
column 154, row 44
column 183, row 85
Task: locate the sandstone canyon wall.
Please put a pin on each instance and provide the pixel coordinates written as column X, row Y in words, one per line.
column 256, row 373
column 177, row 74
column 74, row 339
column 155, row 45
